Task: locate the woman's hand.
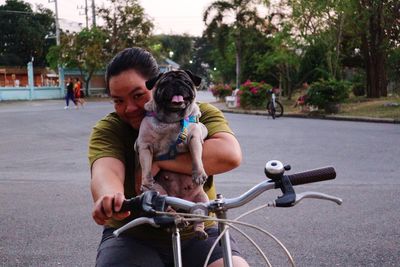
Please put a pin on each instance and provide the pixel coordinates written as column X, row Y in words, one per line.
column 107, row 207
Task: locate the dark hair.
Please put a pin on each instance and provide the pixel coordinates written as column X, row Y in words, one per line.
column 135, row 58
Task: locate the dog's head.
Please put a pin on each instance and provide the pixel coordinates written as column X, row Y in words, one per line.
column 174, row 91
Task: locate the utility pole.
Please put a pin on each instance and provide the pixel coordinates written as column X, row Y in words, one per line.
column 60, row 69
column 86, row 13
column 93, row 14
column 57, row 22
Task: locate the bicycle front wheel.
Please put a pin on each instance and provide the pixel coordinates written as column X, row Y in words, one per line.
column 271, row 109
column 278, row 109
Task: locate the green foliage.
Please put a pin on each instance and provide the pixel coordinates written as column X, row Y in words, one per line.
column 125, row 24
column 23, row 32
column 224, row 32
column 278, row 63
column 313, row 65
column 358, row 83
column 202, row 58
column 254, row 94
column 181, row 47
column 221, row 90
column 83, row 50
column 394, row 64
column 325, row 92
column 358, row 89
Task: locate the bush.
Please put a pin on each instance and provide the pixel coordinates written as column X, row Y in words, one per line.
column 221, row 90
column 325, row 93
column 254, row 94
column 358, row 89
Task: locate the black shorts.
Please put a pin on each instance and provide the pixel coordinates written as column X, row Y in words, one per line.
column 128, row 251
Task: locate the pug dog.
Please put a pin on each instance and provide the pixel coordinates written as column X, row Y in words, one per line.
column 171, row 126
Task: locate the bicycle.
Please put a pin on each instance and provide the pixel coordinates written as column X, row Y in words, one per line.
column 154, row 206
column 274, row 107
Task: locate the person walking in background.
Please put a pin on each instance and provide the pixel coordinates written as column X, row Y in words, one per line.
column 70, row 93
column 78, row 94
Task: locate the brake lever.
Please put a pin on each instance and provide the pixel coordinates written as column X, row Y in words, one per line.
column 136, row 222
column 317, row 195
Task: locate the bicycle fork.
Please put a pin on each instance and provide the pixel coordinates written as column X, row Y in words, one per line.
column 273, row 97
column 225, row 240
column 222, row 227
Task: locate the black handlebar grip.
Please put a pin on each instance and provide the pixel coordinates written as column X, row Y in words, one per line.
column 312, row 176
column 133, row 204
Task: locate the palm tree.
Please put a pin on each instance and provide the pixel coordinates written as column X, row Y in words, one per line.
column 233, row 17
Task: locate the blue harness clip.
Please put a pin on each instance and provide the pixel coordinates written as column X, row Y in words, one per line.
column 173, row 151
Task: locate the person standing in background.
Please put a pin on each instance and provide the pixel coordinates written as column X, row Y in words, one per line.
column 70, row 93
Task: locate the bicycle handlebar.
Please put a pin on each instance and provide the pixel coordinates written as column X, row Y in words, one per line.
column 150, row 201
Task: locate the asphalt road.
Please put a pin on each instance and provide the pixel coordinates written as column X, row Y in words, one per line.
column 45, row 201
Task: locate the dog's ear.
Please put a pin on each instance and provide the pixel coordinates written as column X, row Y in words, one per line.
column 196, row 79
column 150, row 83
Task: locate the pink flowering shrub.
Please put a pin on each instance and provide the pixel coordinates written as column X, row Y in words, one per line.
column 254, row 94
column 221, row 90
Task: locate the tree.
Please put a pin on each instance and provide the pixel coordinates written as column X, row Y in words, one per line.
column 378, row 28
column 245, row 16
column 278, row 62
column 321, row 25
column 23, row 33
column 370, row 27
column 181, row 47
column 202, row 58
column 126, row 25
column 83, row 50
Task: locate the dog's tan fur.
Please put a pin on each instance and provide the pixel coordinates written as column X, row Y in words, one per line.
column 161, row 130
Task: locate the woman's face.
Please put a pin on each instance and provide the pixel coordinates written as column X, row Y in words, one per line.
column 129, row 93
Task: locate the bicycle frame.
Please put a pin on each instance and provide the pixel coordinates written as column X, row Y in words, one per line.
column 273, row 170
column 274, row 107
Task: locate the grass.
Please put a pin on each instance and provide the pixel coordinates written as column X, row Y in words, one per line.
column 386, row 107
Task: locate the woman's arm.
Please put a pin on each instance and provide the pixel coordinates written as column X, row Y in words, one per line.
column 107, row 187
column 221, row 153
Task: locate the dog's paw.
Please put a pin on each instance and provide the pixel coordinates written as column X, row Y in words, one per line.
column 199, row 178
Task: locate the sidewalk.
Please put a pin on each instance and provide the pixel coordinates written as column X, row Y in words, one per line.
column 54, row 103
column 222, row 106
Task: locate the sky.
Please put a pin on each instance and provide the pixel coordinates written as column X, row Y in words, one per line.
column 170, row 16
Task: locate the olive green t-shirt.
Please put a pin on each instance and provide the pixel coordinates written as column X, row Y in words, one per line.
column 112, row 137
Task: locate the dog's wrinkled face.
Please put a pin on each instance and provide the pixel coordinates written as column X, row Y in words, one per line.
column 174, row 90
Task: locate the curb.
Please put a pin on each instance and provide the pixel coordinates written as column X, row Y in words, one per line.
column 307, row 116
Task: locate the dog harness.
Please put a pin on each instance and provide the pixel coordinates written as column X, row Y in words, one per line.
column 173, row 151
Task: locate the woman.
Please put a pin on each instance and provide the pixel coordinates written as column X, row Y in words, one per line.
column 113, row 165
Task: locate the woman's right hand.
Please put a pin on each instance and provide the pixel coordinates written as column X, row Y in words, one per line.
column 107, row 207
